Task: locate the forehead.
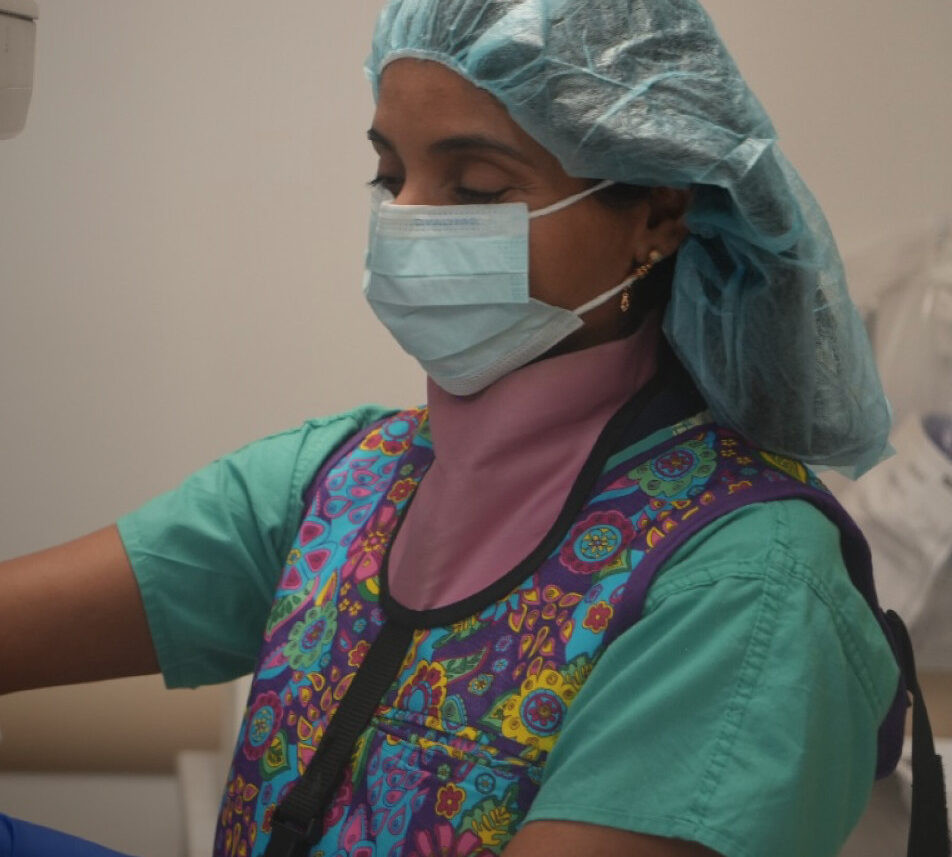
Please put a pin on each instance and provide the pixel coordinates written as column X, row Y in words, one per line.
column 410, row 80
column 422, row 101
column 431, row 98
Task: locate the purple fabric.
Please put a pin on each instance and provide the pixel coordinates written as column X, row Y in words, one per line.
column 342, row 451
column 458, row 744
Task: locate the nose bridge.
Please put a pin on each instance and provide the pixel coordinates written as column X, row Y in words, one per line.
column 413, row 194
column 422, row 183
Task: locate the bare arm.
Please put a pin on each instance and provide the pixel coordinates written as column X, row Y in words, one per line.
column 573, row 839
column 70, row 614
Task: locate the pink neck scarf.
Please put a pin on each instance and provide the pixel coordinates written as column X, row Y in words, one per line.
column 505, row 461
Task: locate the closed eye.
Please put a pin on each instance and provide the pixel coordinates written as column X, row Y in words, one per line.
column 468, row 196
column 464, row 195
column 388, row 183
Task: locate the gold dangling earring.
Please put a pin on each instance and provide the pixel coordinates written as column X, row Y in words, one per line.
column 639, row 274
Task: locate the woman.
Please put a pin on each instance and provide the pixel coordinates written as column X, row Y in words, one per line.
column 558, row 595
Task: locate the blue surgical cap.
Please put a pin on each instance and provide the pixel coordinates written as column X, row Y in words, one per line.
column 644, row 92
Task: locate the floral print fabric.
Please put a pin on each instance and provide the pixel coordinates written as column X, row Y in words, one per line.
column 456, row 749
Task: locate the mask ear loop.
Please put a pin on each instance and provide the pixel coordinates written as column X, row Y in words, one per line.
column 598, row 300
column 570, row 200
column 639, row 274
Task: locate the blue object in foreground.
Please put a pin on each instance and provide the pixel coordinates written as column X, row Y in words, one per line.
column 23, row 839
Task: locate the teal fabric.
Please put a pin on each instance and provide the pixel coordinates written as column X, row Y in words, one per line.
column 208, row 554
column 746, row 700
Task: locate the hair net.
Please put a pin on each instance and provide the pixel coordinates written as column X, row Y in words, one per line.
column 644, row 92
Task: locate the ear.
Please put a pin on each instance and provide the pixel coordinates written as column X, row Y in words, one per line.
column 664, row 228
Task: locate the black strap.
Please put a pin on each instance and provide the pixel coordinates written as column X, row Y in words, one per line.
column 297, row 823
column 929, row 822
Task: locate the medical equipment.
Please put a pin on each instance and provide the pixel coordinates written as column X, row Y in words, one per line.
column 17, row 44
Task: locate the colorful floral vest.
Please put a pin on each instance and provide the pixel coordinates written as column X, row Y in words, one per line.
column 455, row 751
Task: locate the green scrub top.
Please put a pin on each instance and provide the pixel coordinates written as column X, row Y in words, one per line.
column 740, row 712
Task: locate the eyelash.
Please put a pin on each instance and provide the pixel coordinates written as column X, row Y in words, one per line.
column 467, row 195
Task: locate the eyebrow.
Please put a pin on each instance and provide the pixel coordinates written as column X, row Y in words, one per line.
column 462, row 143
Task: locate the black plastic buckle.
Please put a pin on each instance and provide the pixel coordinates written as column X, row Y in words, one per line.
column 290, row 839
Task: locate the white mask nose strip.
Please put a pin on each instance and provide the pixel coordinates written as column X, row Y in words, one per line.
column 569, row 200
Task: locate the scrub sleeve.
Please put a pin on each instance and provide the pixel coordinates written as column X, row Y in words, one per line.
column 747, row 698
column 208, row 555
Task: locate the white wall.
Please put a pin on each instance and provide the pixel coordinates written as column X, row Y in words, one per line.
column 182, row 228
column 180, row 256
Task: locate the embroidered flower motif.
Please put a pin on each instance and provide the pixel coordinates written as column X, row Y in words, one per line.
column 308, row 639
column 358, row 653
column 478, row 685
column 365, row 554
column 441, row 841
column 424, row 693
column 598, row 617
column 394, row 437
column 670, row 473
column 534, row 715
column 485, row 783
column 401, row 490
column 263, row 722
column 596, row 542
column 449, row 800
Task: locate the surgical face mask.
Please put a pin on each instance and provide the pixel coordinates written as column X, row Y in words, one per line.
column 451, row 283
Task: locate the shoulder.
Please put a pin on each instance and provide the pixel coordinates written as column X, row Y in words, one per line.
column 784, row 555
column 285, row 462
column 756, row 671
column 751, row 541
column 321, row 432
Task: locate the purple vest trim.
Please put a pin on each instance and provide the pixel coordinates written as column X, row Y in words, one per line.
column 455, row 751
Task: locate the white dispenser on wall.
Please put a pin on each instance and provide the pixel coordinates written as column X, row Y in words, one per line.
column 17, row 45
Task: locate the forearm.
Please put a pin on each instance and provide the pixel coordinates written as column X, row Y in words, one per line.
column 70, row 614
